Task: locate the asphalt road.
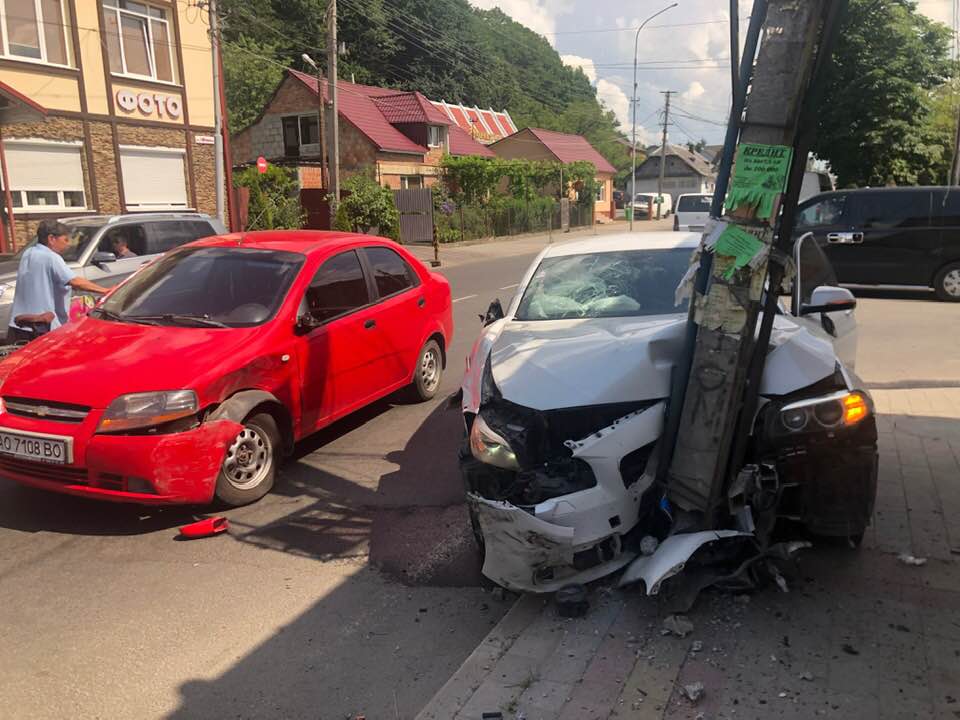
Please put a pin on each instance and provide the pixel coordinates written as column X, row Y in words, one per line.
column 353, row 588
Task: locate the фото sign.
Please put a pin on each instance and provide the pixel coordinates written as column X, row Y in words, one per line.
column 150, row 104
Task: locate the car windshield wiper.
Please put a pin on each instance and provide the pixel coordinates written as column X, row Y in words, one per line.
column 110, row 315
column 178, row 319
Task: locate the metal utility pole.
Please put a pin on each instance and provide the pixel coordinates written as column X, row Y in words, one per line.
column 322, row 125
column 734, row 46
column 633, row 153
column 332, row 51
column 663, row 153
column 218, row 165
column 714, row 407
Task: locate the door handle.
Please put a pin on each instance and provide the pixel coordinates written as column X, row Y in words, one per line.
column 845, row 238
column 421, row 302
column 370, row 324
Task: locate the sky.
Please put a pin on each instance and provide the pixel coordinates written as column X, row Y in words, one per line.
column 686, row 50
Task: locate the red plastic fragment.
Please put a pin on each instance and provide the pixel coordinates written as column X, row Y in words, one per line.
column 205, row 528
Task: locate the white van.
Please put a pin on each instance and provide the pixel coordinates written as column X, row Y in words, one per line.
column 815, row 183
column 645, row 205
column 693, row 211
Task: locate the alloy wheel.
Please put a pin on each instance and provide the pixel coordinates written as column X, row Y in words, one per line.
column 951, row 283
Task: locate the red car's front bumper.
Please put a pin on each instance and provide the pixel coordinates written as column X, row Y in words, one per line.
column 162, row 469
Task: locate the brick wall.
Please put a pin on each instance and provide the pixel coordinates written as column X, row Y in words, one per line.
column 104, row 168
column 204, row 175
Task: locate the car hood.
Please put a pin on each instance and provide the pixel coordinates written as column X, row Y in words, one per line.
column 549, row 365
column 91, row 362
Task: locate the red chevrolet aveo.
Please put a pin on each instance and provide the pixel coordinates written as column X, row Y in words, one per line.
column 194, row 378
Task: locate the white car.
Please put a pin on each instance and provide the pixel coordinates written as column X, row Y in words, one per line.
column 692, row 213
column 565, row 394
column 645, row 205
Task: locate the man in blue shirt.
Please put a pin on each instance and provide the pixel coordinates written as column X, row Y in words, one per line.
column 45, row 283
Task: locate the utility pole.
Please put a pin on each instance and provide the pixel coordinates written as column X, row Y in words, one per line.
column 218, row 164
column 322, row 125
column 663, row 153
column 717, row 397
column 332, row 51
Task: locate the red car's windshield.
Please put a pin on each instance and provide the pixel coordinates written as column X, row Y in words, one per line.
column 206, row 286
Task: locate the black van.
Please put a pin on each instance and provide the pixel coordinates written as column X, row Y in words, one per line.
column 890, row 236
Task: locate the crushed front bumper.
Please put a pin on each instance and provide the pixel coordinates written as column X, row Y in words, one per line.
column 162, row 469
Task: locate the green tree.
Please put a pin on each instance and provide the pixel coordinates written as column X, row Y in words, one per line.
column 274, row 199
column 874, row 121
column 249, row 80
column 367, row 206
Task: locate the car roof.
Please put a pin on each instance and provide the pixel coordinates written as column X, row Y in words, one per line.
column 620, row 242
column 305, row 242
column 133, row 217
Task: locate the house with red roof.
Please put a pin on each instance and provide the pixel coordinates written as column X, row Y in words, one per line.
column 399, row 136
column 539, row 144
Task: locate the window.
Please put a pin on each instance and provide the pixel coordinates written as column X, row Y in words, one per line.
column 890, row 210
column 390, row 272
column 632, row 283
column 411, row 182
column 139, row 40
column 813, row 270
column 828, row 211
column 946, row 207
column 601, row 192
column 164, row 236
column 434, row 135
column 45, row 176
column 132, row 235
column 338, row 287
column 153, row 178
column 34, row 30
column 239, row 287
column 300, row 131
column 695, row 203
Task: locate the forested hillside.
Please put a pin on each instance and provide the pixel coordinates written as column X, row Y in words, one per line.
column 446, row 49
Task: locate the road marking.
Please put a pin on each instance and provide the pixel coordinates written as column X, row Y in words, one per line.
column 510, row 287
column 468, row 297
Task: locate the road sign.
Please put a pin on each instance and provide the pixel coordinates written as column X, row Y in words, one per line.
column 261, row 164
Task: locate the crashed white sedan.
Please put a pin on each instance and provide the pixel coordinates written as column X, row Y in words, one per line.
column 565, row 395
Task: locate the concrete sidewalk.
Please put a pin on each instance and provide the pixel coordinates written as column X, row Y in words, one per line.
column 860, row 635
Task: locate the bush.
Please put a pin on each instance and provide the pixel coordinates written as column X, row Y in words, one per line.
column 368, row 206
column 274, row 198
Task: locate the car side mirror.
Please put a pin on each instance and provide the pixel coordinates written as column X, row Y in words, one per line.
column 306, row 323
column 827, row 299
column 494, row 313
column 101, row 258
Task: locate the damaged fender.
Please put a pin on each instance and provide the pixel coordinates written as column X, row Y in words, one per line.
column 671, row 557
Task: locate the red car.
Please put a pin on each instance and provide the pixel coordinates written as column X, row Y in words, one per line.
column 195, row 377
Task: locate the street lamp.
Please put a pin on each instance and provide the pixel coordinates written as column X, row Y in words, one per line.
column 321, row 129
column 633, row 173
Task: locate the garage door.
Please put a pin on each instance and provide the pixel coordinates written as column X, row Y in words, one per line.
column 153, row 178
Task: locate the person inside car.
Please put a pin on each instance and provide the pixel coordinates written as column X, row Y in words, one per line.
column 121, row 248
column 45, row 284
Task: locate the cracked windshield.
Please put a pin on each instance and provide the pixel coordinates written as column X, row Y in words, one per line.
column 479, row 359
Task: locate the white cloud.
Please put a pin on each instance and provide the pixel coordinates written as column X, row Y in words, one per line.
column 936, row 9
column 585, row 64
column 694, row 91
column 538, row 15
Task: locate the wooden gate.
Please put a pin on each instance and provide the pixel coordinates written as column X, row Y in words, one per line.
column 416, row 215
column 316, row 207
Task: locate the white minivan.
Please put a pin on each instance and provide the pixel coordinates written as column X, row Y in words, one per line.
column 692, row 212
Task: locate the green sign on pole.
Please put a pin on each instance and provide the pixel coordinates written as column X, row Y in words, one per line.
column 759, row 177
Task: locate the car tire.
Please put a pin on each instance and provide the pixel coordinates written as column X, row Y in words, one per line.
column 249, row 466
column 428, row 371
column 947, row 283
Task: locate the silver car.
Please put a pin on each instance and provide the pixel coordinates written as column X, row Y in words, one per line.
column 91, row 249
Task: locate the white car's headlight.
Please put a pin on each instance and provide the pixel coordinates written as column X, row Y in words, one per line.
column 489, row 447
column 147, row 409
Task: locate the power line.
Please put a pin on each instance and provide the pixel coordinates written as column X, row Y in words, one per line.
column 649, row 27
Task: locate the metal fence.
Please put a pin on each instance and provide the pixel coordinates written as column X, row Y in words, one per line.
column 456, row 222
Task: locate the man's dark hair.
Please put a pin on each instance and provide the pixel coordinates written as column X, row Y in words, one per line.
column 50, row 227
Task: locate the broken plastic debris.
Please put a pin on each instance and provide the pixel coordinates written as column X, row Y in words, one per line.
column 205, row 528
column 908, row 559
column 697, row 646
column 808, row 676
column 572, row 601
column 694, row 691
column 677, row 625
